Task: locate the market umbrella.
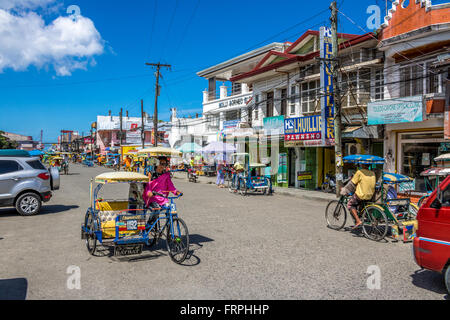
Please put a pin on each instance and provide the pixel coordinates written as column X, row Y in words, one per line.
column 190, row 148
column 219, row 147
column 444, row 157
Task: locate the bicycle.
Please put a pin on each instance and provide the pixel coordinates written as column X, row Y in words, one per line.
column 375, row 223
column 177, row 243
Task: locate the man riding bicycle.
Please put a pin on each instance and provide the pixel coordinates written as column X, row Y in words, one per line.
column 365, row 181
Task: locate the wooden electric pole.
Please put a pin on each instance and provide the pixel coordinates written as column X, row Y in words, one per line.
column 337, row 102
column 121, row 131
column 142, row 128
column 157, row 92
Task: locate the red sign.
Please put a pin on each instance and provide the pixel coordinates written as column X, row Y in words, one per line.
column 303, row 136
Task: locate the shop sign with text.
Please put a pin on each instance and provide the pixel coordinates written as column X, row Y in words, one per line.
column 303, row 128
column 401, row 110
column 326, row 81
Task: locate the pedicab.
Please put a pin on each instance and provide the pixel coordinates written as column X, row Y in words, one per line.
column 383, row 213
column 438, row 174
column 126, row 225
column 249, row 181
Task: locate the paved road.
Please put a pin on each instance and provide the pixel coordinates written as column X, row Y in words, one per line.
column 256, row 247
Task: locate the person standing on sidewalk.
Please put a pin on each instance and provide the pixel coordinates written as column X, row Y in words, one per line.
column 220, row 174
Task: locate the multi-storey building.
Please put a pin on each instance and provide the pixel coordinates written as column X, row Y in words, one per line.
column 225, row 103
column 415, row 39
column 287, row 85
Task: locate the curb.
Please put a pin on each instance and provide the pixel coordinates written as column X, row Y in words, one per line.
column 276, row 191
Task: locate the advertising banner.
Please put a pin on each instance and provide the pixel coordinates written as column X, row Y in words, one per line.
column 274, row 125
column 133, row 137
column 282, row 168
column 326, row 83
column 303, row 128
column 401, row 110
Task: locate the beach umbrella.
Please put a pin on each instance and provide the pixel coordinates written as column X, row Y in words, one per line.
column 190, row 148
column 219, row 147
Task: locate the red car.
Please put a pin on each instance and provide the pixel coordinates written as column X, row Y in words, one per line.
column 432, row 242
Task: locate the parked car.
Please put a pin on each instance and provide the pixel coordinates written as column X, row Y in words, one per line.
column 25, row 183
column 432, row 241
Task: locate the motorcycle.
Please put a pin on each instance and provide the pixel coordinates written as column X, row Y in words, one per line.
column 329, row 185
column 192, row 175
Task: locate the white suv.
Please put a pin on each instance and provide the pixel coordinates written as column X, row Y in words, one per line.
column 25, row 183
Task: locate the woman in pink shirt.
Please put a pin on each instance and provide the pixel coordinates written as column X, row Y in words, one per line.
column 160, row 183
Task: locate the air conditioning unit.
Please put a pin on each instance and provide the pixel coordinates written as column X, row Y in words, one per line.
column 353, row 148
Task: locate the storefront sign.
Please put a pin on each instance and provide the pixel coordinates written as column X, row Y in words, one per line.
column 133, row 137
column 304, row 175
column 401, row 110
column 235, row 102
column 303, row 128
column 274, row 125
column 326, row 82
column 282, row 168
column 231, row 124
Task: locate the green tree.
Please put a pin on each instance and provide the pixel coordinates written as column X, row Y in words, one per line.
column 6, row 143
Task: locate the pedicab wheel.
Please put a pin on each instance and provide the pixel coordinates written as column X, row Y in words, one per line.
column 178, row 245
column 336, row 215
column 375, row 223
column 447, row 279
column 91, row 238
column 28, row 204
column 242, row 187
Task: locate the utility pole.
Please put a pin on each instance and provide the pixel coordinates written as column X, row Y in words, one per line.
column 337, row 102
column 121, row 131
column 155, row 117
column 142, row 129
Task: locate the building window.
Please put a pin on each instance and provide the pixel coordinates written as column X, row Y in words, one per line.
column 379, row 85
column 236, row 88
column 269, row 104
column 292, row 99
column 256, row 107
column 283, row 102
column 310, row 100
column 411, row 80
column 232, row 115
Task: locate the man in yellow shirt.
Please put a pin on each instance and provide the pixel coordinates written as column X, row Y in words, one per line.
column 365, row 181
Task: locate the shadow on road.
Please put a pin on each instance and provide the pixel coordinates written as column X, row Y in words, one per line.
column 46, row 209
column 430, row 280
column 13, row 289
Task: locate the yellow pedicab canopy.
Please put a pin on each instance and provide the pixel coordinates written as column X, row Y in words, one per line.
column 117, row 177
column 160, row 151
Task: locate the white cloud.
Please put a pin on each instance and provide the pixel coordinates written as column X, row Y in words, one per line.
column 26, row 40
column 24, row 4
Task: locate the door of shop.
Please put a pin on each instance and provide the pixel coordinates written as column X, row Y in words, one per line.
column 292, row 175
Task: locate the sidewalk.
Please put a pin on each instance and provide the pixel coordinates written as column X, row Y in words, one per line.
column 290, row 192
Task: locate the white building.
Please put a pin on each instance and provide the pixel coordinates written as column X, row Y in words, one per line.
column 226, row 108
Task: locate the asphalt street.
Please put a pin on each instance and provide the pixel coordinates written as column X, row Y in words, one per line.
column 253, row 247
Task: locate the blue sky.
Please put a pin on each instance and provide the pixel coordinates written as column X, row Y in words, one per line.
column 45, row 97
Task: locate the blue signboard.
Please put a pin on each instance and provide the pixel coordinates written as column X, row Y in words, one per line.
column 326, row 81
column 273, row 125
column 231, row 124
column 303, row 128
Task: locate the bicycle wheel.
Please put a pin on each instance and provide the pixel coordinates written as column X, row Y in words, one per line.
column 375, row 223
column 336, row 215
column 178, row 242
column 91, row 238
column 242, row 187
column 230, row 185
